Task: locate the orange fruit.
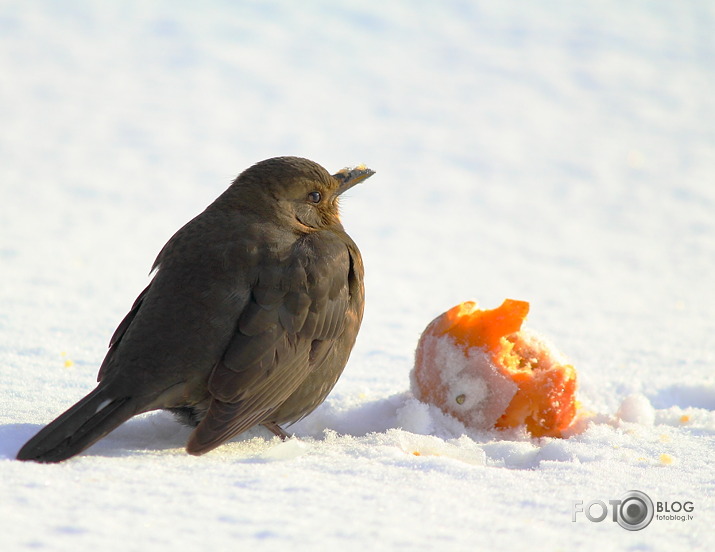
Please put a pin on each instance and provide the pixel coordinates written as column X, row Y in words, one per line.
column 483, row 369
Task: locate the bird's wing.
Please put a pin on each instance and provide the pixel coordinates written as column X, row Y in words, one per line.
column 105, row 368
column 293, row 310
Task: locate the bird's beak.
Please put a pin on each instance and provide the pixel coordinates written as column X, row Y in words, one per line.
column 348, row 177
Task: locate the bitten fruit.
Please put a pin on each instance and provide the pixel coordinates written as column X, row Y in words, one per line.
column 482, row 368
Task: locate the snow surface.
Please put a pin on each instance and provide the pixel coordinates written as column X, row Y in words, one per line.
column 557, row 152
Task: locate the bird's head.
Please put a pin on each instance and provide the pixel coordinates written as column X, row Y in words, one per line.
column 296, row 190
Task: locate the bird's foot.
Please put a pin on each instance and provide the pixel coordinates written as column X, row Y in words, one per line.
column 276, row 430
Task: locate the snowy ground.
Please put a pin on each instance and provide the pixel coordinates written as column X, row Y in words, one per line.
column 558, row 152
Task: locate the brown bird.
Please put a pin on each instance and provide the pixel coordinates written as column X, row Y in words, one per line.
column 249, row 319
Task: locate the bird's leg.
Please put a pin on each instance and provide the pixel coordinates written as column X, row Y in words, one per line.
column 276, row 430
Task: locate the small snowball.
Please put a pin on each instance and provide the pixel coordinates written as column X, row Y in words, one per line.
column 637, row 409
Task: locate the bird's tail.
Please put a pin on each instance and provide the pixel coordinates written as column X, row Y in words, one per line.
column 79, row 427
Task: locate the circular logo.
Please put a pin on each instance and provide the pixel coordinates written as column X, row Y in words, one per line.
column 635, row 511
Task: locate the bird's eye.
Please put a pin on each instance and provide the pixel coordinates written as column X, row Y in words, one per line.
column 314, row 197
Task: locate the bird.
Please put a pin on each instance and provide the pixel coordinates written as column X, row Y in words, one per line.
column 251, row 314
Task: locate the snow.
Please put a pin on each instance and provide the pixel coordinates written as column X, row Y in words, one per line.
column 636, row 409
column 560, row 153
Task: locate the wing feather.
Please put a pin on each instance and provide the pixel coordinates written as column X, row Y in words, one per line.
column 295, row 312
column 105, row 368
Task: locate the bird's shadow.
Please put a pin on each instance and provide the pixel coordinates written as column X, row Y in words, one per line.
column 160, row 431
column 154, row 432
column 686, row 396
column 13, row 436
